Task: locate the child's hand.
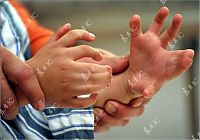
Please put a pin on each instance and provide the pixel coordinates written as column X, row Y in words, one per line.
column 118, row 63
column 61, row 77
column 150, row 63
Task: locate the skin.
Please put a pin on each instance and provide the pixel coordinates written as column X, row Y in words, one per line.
column 65, row 68
column 21, row 76
column 120, row 106
column 117, row 114
column 118, row 64
column 148, row 54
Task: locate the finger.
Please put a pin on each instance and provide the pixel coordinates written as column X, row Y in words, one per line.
column 181, row 61
column 151, row 90
column 100, row 79
column 23, row 76
column 172, row 31
column 118, row 64
column 104, row 119
column 88, row 88
column 79, row 102
column 84, row 51
column 91, row 68
column 185, row 58
column 140, row 101
column 158, row 22
column 73, row 36
column 9, row 105
column 135, row 26
column 122, row 111
column 100, row 129
column 22, row 100
column 60, row 32
column 105, row 52
column 137, row 101
column 147, row 101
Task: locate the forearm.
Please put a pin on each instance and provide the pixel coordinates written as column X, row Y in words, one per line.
column 116, row 91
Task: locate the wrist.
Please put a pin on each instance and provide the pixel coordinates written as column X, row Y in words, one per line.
column 130, row 79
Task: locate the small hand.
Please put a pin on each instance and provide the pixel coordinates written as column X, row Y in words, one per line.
column 66, row 78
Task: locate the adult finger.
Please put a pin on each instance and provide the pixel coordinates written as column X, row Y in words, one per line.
column 104, row 119
column 118, row 64
column 23, row 76
column 171, row 31
column 9, row 105
column 84, row 51
column 139, row 101
column 158, row 22
column 122, row 111
column 135, row 26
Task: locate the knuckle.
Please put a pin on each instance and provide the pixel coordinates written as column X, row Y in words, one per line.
column 129, row 87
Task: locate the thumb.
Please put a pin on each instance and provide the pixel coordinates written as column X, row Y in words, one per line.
column 118, row 64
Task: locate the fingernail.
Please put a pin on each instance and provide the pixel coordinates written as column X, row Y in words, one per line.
column 67, row 25
column 137, row 104
column 92, row 35
column 111, row 108
column 108, row 83
column 147, row 94
column 40, row 105
column 109, row 69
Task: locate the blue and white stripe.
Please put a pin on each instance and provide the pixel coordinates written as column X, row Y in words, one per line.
column 52, row 123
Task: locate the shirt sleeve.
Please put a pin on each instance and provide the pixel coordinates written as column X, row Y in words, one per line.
column 38, row 35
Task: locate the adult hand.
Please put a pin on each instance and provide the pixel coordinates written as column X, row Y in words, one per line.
column 18, row 74
column 118, row 63
column 116, row 114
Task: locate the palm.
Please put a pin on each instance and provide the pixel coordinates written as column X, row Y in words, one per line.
column 149, row 57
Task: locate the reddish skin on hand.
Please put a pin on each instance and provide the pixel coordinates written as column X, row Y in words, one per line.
column 148, row 54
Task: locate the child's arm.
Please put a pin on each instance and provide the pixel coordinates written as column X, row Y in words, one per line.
column 61, row 77
column 150, row 64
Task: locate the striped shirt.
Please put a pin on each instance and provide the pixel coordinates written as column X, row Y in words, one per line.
column 52, row 122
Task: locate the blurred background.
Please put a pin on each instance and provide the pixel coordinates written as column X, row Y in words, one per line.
column 176, row 106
